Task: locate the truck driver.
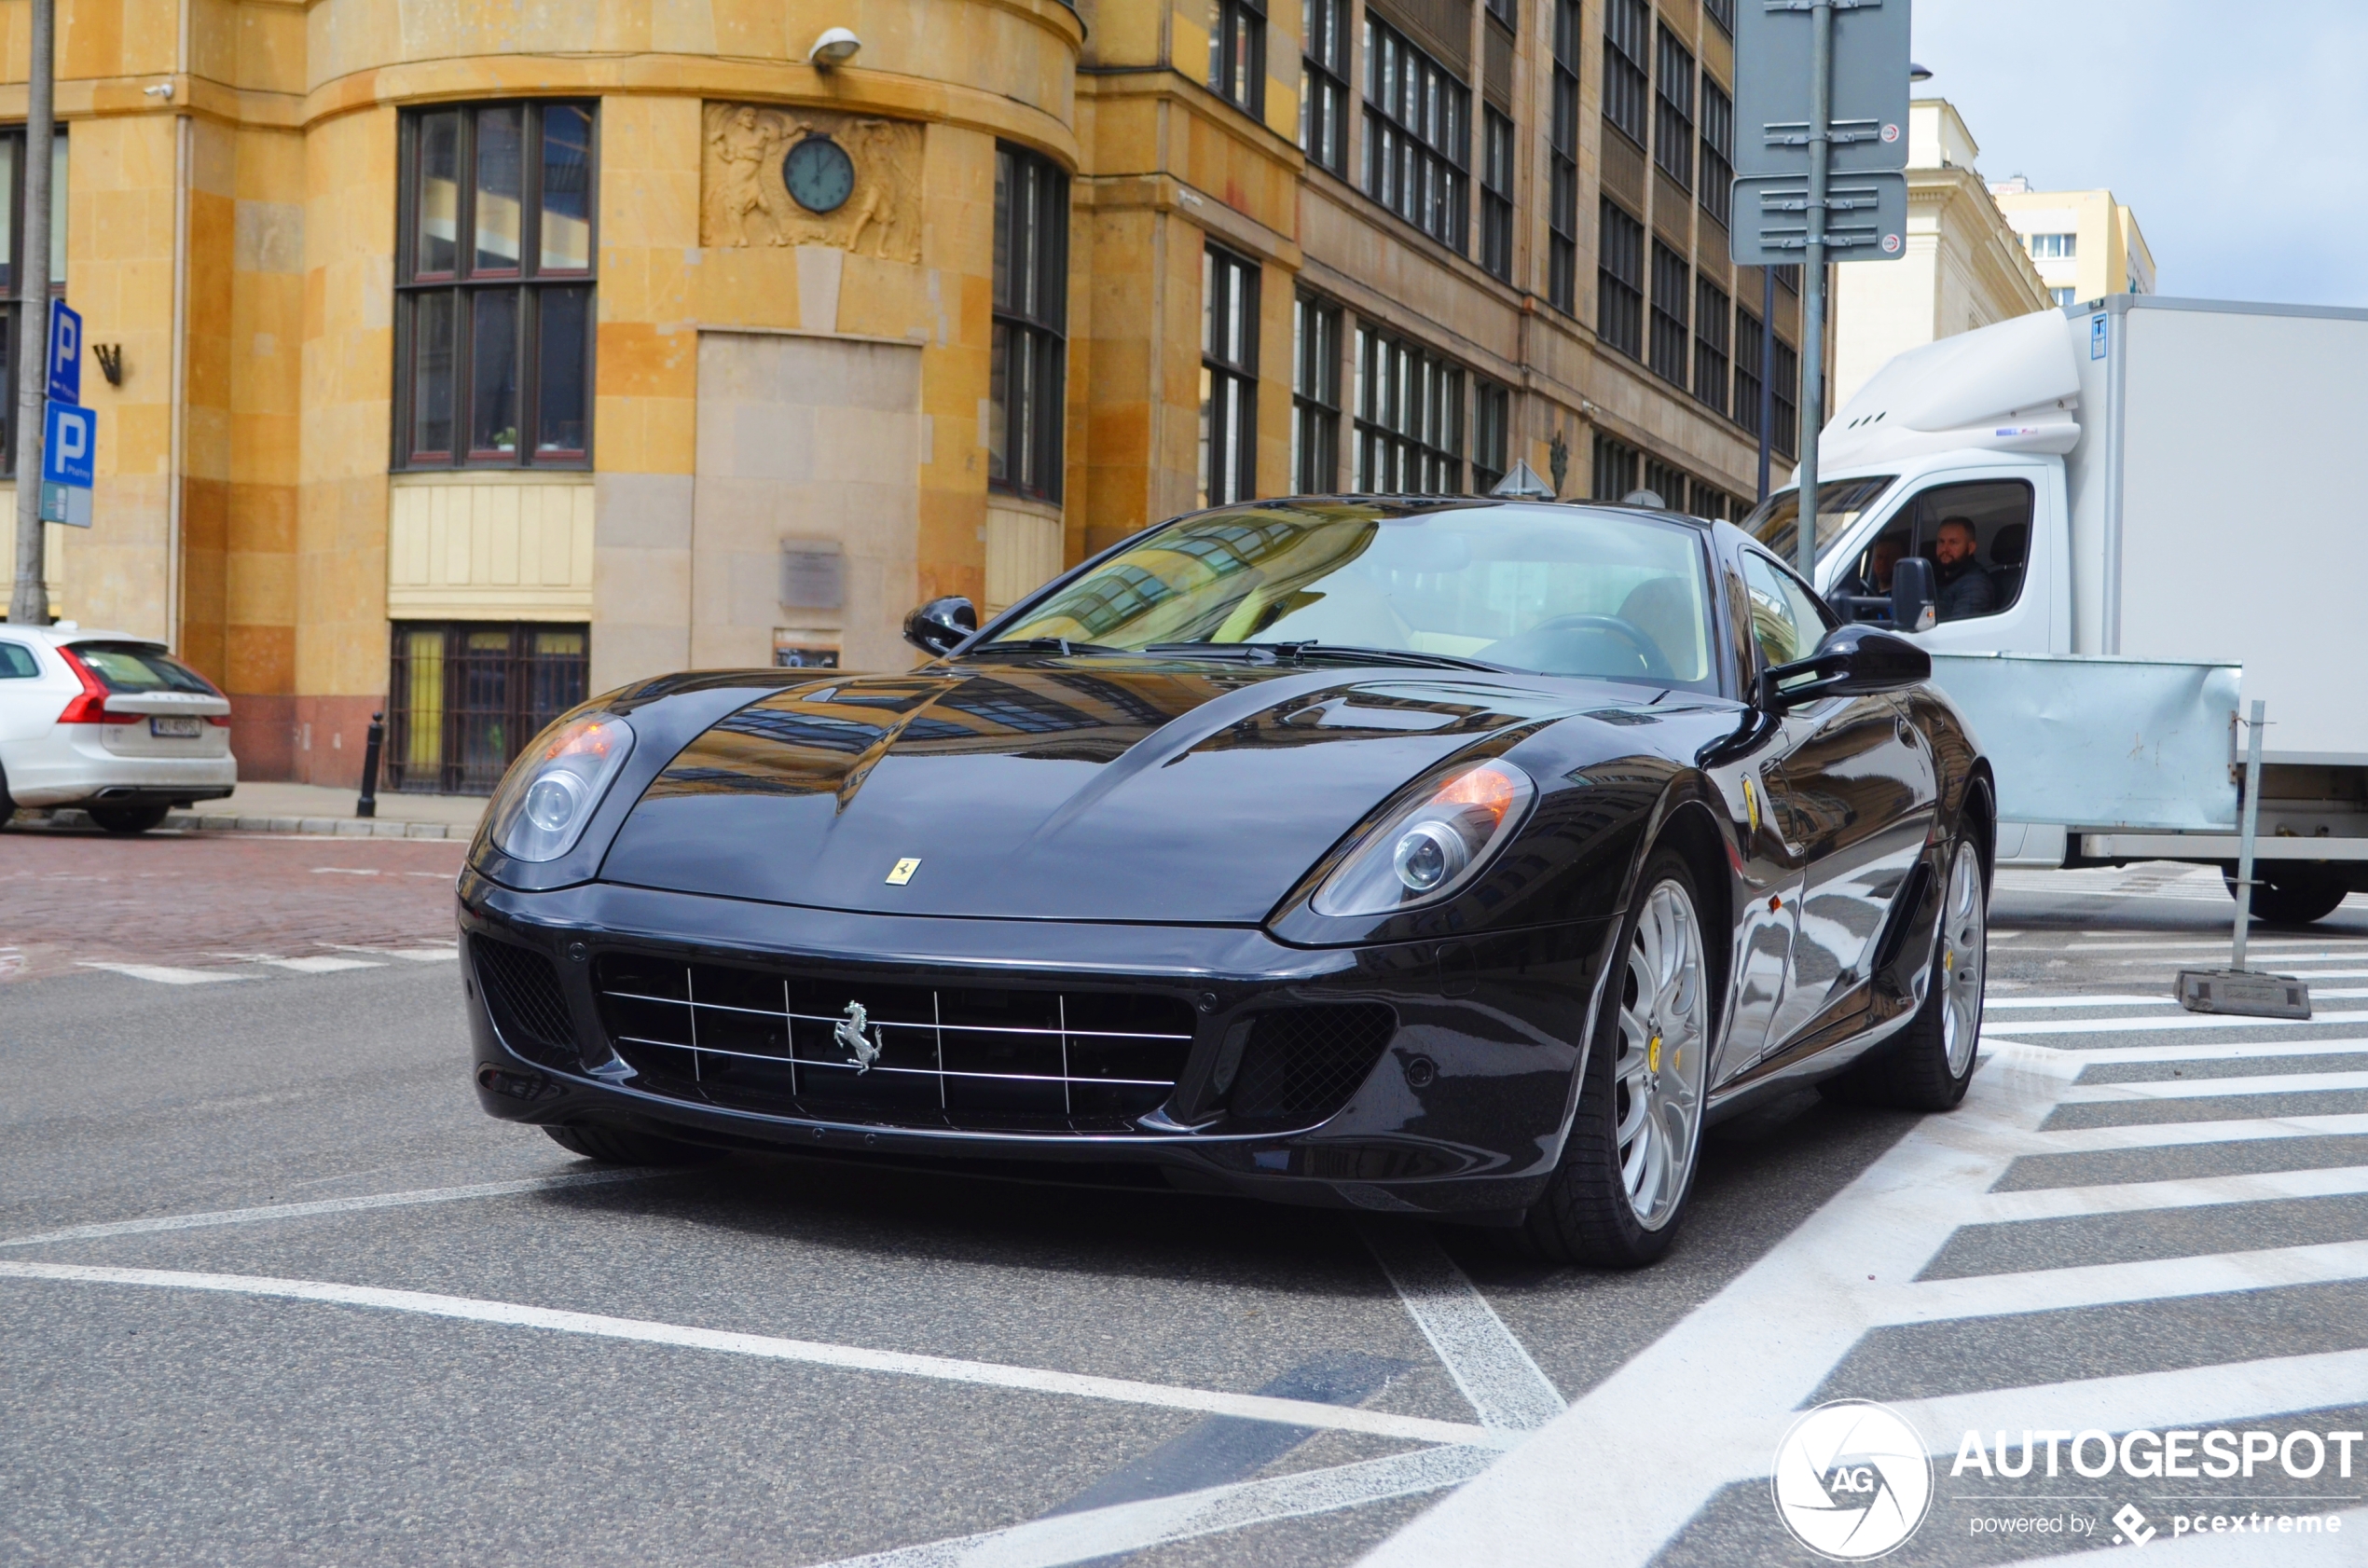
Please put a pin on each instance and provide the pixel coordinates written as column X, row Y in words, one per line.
column 1962, row 587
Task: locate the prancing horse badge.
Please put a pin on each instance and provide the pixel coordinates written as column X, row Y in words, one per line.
column 904, row 870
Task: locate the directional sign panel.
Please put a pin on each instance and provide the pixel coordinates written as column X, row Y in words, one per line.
column 69, row 446
column 1869, row 110
column 65, row 353
column 1865, row 219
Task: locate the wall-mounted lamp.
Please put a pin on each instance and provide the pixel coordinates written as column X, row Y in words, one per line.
column 162, row 89
column 110, row 358
column 835, row 47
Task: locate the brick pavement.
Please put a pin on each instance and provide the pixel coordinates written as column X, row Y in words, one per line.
column 203, row 900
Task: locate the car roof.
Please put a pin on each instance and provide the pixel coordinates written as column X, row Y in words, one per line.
column 1444, row 503
column 66, row 634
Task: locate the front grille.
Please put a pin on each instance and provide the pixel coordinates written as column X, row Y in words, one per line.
column 522, row 992
column 1302, row 1062
column 972, row 1057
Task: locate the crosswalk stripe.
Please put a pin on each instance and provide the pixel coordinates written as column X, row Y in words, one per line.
column 316, row 964
column 2214, row 1088
column 2170, row 1135
column 2071, row 1059
column 2102, row 1284
column 1993, row 1004
column 2184, row 1021
column 162, row 975
column 1494, row 1371
column 2064, row 1203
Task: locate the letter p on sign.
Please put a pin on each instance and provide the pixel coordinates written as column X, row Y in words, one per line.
column 65, row 353
column 70, row 445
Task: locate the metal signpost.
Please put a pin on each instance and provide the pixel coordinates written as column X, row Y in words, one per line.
column 1821, row 154
column 29, row 601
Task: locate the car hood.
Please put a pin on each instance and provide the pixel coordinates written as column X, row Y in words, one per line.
column 1062, row 789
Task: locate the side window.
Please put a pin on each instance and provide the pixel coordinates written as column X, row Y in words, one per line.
column 1977, row 535
column 17, row 662
column 1787, row 620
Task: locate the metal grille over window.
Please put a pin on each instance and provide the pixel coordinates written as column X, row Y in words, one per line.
column 1628, row 33
column 1785, row 437
column 1228, row 378
column 1718, row 152
column 1561, row 213
column 1410, row 419
column 1417, row 135
column 1024, row 393
column 1615, row 469
column 1750, row 342
column 1496, row 194
column 1711, row 318
column 1619, row 281
column 1323, row 96
column 966, row 1056
column 1316, row 397
column 1491, row 434
column 494, row 285
column 1237, row 53
column 1673, row 290
column 1673, row 109
column 465, row 698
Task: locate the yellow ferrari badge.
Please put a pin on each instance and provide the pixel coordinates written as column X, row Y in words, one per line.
column 904, row 871
column 1653, row 1055
column 1751, row 802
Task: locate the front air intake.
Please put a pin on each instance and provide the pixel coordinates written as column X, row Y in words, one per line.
column 522, row 993
column 1303, row 1063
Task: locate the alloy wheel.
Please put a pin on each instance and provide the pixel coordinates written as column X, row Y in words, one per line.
column 1963, row 948
column 1664, row 1049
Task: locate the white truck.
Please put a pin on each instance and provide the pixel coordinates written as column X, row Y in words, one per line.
column 2148, row 489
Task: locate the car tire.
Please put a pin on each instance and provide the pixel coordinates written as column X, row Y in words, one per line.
column 136, row 819
column 2294, row 895
column 614, row 1146
column 7, row 803
column 1929, row 1065
column 1627, row 1169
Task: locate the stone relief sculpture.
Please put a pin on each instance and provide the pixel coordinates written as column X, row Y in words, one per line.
column 745, row 199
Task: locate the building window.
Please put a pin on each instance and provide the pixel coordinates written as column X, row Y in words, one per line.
column 1417, row 135
column 1711, row 318
column 1721, row 12
column 1666, row 481
column 1237, row 53
column 1785, row 437
column 1228, row 378
column 1024, row 396
column 1673, row 290
column 11, row 243
column 1323, row 84
column 1718, row 152
column 1674, row 111
column 1506, row 11
column 1316, row 397
column 2064, row 296
column 1628, row 33
column 493, row 286
column 1615, row 469
column 1619, row 281
column 2054, row 247
column 1496, row 194
column 465, row 698
column 1562, row 217
column 1709, row 500
column 1410, row 419
column 1788, row 277
column 1749, row 365
column 1491, row 434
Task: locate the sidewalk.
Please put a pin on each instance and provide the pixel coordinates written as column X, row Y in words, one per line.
column 264, row 807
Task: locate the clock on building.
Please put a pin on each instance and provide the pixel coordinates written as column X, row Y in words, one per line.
column 819, row 174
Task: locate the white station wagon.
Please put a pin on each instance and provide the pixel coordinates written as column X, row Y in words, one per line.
column 109, row 722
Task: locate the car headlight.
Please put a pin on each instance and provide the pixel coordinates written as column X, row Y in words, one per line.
column 1432, row 843
column 553, row 789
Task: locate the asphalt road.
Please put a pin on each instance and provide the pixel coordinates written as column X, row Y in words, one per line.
column 444, row 1339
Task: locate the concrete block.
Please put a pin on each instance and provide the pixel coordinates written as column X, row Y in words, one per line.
column 428, row 829
column 276, row 824
column 388, row 830
column 317, row 825
column 351, row 828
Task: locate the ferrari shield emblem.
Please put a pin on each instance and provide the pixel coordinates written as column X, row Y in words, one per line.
column 903, row 871
column 1751, row 806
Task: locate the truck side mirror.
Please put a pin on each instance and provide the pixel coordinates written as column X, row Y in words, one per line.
column 939, row 625
column 1911, row 593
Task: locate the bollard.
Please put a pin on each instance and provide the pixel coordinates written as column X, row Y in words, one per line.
column 368, row 805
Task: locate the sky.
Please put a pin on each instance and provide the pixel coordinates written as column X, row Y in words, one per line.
column 2236, row 131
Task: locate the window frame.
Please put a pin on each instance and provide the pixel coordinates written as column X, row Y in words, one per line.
column 1491, row 434
column 1619, row 291
column 1427, row 438
column 1714, row 315
column 1669, row 347
column 1230, row 286
column 1749, row 369
column 1786, row 381
column 1316, row 396
column 1715, row 191
column 1396, row 151
column 1613, row 468
column 1496, row 193
column 1039, row 331
column 1562, row 213
column 521, row 715
column 1674, row 121
column 1324, row 77
column 466, row 285
column 1235, row 27
column 1626, row 71
column 1721, row 12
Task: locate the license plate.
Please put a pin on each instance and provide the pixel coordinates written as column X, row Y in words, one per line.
column 181, row 729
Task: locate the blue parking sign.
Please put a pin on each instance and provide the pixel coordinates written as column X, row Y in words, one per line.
column 65, row 353
column 69, row 446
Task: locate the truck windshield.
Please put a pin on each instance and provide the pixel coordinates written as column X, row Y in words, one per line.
column 1776, row 521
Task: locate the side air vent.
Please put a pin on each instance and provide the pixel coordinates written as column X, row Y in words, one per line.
column 1303, row 1063
column 522, row 992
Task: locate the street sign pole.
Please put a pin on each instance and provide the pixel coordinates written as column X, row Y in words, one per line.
column 1812, row 282
column 29, row 604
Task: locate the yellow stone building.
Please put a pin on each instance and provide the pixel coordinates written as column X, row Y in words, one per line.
column 478, row 357
column 2085, row 243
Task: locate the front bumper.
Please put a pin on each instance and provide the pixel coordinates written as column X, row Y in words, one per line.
column 1460, row 1113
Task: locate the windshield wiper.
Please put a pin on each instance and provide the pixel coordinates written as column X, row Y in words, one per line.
column 1331, row 652
column 1060, row 645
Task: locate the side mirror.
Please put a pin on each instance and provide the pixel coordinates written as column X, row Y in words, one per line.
column 1911, row 593
column 939, row 625
column 1853, row 661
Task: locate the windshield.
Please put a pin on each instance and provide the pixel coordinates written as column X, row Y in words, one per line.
column 1554, row 589
column 1776, row 521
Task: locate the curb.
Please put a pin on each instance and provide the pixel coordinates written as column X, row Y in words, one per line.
column 314, row 827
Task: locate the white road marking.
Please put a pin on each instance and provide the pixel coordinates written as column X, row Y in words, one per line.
column 2284, row 948
column 1993, row 1004
column 2212, row 1088
column 2074, row 1057
column 2102, row 1284
column 328, row 1205
column 2184, row 1021
column 162, row 975
column 1246, row 1406
column 1128, row 1527
column 343, row 871
column 2105, row 1140
column 416, row 954
column 317, row 964
column 1491, row 1366
column 2131, row 1196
